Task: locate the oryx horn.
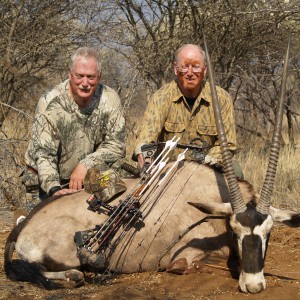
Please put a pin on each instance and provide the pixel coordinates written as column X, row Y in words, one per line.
column 237, row 203
column 267, row 189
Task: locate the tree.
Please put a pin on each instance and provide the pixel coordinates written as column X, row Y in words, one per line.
column 137, row 40
column 247, row 40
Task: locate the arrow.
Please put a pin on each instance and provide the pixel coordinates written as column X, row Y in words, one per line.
column 180, row 157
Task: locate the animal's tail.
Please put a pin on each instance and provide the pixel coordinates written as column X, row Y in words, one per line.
column 19, row 270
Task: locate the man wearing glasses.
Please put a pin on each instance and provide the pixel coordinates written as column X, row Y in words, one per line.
column 183, row 108
column 78, row 125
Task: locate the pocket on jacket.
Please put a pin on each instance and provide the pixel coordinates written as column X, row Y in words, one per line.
column 174, row 127
column 207, row 130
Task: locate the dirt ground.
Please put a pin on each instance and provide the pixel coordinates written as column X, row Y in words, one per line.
column 282, row 272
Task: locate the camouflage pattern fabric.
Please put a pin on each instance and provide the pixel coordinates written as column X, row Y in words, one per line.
column 168, row 115
column 63, row 135
column 31, row 187
column 105, row 185
column 30, row 179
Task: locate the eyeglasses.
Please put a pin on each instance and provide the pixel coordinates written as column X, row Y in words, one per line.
column 184, row 69
column 81, row 76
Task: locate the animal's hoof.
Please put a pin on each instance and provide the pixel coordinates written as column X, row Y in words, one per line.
column 75, row 277
column 178, row 266
column 79, row 283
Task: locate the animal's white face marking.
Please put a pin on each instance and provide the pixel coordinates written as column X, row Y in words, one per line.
column 240, row 231
column 263, row 231
column 252, row 230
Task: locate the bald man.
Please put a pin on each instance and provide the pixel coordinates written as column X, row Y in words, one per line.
column 183, row 108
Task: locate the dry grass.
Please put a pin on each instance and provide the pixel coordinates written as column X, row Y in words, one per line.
column 253, row 158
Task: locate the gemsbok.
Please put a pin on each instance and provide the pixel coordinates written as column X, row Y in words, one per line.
column 171, row 234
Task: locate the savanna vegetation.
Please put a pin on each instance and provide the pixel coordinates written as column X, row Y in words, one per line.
column 137, row 40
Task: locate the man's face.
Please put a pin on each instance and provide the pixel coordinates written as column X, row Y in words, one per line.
column 190, row 71
column 84, row 78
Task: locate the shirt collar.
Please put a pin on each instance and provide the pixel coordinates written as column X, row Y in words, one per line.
column 205, row 92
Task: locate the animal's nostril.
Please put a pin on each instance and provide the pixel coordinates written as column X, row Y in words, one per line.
column 255, row 288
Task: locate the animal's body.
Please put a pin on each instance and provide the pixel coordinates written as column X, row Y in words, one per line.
column 46, row 237
column 45, row 240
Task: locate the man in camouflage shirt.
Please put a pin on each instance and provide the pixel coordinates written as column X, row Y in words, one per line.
column 183, row 108
column 78, row 125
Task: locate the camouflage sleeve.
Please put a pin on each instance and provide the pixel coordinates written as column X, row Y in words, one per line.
column 227, row 112
column 45, row 144
column 112, row 149
column 152, row 122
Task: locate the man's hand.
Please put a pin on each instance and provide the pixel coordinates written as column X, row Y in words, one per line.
column 64, row 192
column 77, row 177
column 210, row 160
column 142, row 162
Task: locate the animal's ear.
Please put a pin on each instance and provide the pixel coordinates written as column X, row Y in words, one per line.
column 214, row 208
column 287, row 217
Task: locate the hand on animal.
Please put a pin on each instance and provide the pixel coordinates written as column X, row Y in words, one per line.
column 77, row 177
column 142, row 162
column 210, row 160
column 65, row 192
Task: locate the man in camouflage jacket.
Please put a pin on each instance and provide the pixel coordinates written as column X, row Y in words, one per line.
column 78, row 125
column 183, row 108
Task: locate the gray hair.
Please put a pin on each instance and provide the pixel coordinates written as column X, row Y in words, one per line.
column 85, row 53
column 201, row 51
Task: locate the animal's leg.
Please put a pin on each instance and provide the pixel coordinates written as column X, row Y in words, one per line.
column 180, row 266
column 197, row 267
column 177, row 266
column 74, row 276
